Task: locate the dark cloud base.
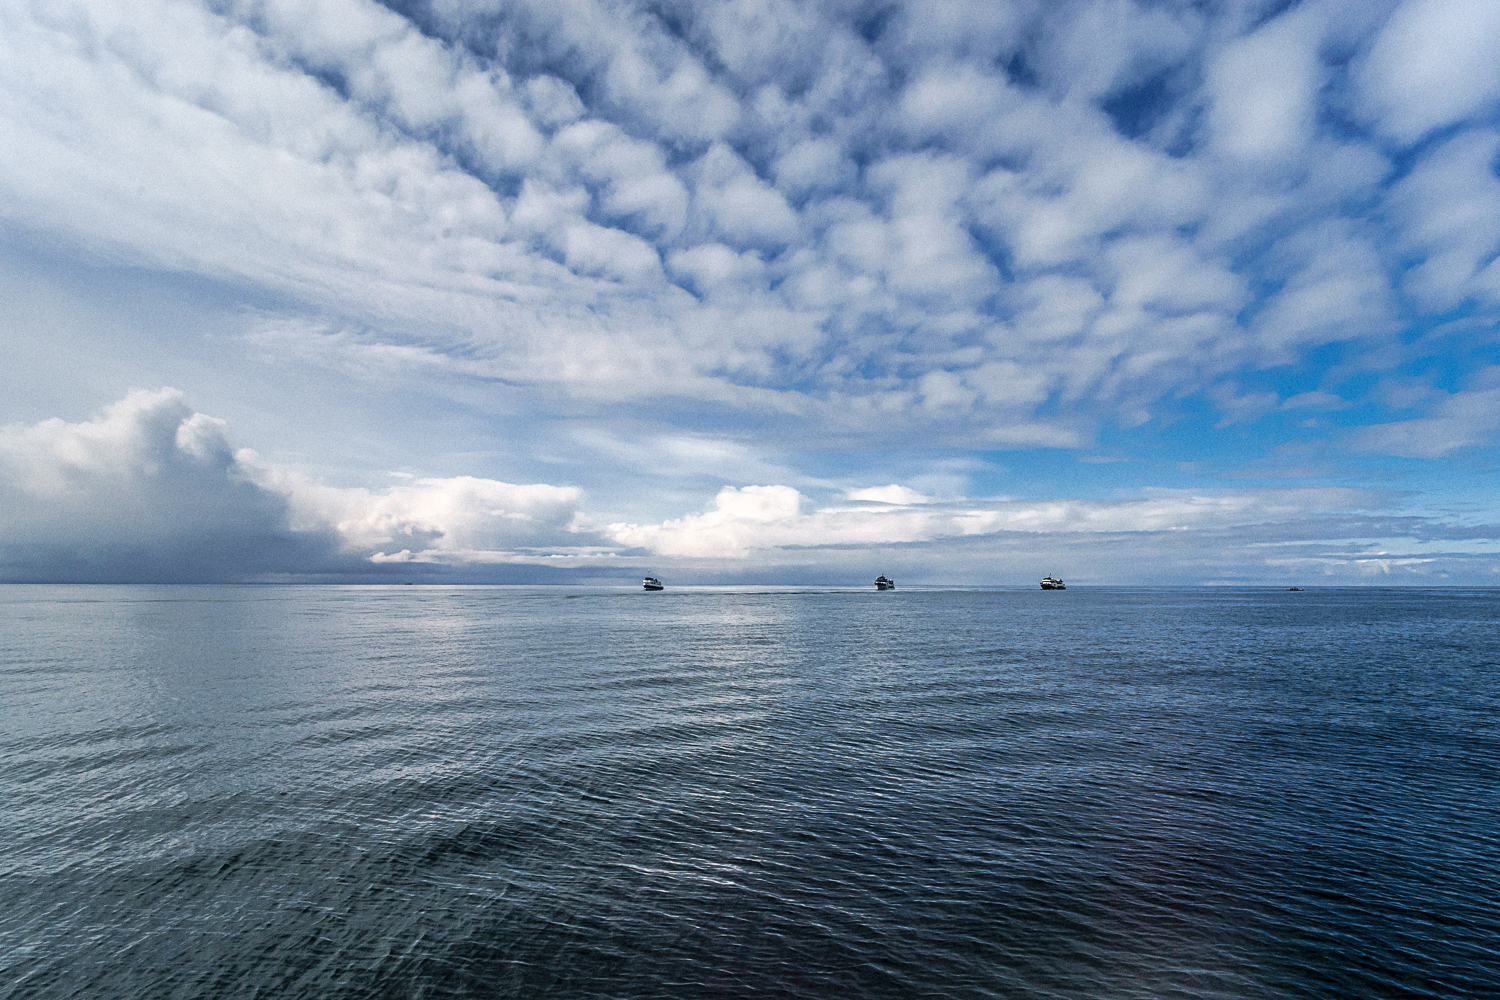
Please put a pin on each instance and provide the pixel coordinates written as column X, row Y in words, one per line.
column 224, row 559
column 304, row 558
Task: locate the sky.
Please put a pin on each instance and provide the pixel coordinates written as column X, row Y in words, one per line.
column 753, row 291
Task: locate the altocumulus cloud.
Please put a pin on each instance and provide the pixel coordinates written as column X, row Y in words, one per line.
column 1007, row 224
column 860, row 227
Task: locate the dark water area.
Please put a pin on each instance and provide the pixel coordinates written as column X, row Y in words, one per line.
column 500, row 792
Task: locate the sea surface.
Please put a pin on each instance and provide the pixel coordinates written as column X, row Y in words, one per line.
column 408, row 792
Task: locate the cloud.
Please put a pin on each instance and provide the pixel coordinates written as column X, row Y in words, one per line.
column 1464, row 419
column 1238, row 409
column 752, row 519
column 743, row 519
column 1262, row 535
column 149, row 490
column 1263, row 89
column 735, row 205
column 1436, row 62
column 1448, row 214
column 1335, row 288
column 152, row 490
column 893, row 494
column 582, row 198
column 965, row 226
column 443, row 520
column 1315, row 400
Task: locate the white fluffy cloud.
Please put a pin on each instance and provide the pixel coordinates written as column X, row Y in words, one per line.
column 153, row 490
column 455, row 520
column 1436, row 62
column 948, row 226
column 148, row 490
column 894, row 493
column 758, row 518
column 1228, row 536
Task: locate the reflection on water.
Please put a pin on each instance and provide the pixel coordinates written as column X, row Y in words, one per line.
column 412, row 791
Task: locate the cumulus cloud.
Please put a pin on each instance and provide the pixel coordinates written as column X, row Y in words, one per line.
column 765, row 517
column 454, row 520
column 894, row 493
column 153, row 490
column 1228, row 536
column 149, row 490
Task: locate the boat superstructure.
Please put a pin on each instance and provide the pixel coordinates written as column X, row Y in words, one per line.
column 652, row 583
column 883, row 583
column 1050, row 584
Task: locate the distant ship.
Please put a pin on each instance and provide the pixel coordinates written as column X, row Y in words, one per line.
column 881, row 583
column 1050, row 584
column 1294, row 588
column 652, row 583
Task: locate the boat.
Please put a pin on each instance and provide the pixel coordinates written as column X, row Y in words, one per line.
column 652, row 583
column 1050, row 584
column 882, row 583
column 1294, row 588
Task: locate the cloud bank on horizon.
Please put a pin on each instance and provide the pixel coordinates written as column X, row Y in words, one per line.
column 778, row 254
column 151, row 490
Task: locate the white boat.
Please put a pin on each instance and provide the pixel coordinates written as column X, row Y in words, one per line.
column 881, row 583
column 1050, row 584
column 652, row 583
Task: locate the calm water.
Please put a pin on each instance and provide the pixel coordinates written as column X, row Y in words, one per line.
column 495, row 792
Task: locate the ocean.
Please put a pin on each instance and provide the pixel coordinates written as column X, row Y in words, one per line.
column 413, row 792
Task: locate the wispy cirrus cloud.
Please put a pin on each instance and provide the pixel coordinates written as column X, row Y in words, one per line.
column 1456, row 420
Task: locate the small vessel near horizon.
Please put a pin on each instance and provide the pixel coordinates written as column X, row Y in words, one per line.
column 652, row 583
column 883, row 583
column 1050, row 584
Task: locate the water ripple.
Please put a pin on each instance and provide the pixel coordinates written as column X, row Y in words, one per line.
column 454, row 792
